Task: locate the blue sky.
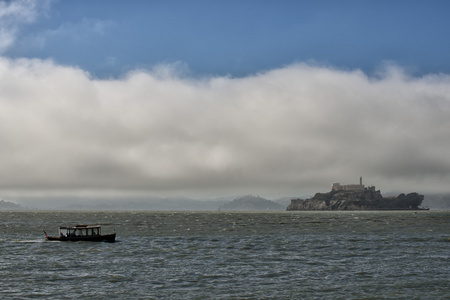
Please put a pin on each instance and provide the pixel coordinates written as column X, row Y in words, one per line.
column 220, row 98
column 238, row 38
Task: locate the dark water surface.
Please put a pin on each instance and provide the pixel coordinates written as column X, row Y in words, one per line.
column 221, row 255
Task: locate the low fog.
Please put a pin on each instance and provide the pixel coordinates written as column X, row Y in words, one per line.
column 289, row 131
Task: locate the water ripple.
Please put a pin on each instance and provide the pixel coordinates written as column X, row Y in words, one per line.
column 195, row 255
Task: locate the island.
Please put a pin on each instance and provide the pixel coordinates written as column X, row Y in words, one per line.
column 251, row 203
column 357, row 197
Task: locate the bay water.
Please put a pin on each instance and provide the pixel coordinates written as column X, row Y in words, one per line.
column 228, row 255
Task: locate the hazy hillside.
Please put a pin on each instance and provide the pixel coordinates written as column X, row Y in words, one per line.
column 6, row 205
column 131, row 203
column 250, row 202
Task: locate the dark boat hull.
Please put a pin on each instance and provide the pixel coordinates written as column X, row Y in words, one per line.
column 110, row 238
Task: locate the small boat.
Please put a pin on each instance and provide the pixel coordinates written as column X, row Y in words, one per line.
column 81, row 233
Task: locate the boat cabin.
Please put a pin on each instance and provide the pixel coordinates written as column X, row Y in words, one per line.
column 79, row 230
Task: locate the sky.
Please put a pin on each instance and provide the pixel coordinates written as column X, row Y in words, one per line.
column 217, row 98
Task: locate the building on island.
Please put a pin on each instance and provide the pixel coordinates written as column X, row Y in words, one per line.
column 348, row 187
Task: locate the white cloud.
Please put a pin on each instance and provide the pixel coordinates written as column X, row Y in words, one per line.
column 72, row 33
column 288, row 131
column 78, row 31
column 13, row 14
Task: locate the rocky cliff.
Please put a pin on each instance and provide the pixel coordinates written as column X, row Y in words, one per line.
column 369, row 199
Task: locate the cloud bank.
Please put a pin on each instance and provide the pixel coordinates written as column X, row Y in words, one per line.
column 288, row 131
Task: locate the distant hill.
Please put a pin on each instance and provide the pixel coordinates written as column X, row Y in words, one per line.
column 130, row 203
column 250, row 202
column 6, row 205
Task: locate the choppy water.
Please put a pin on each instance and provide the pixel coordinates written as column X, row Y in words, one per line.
column 220, row 255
